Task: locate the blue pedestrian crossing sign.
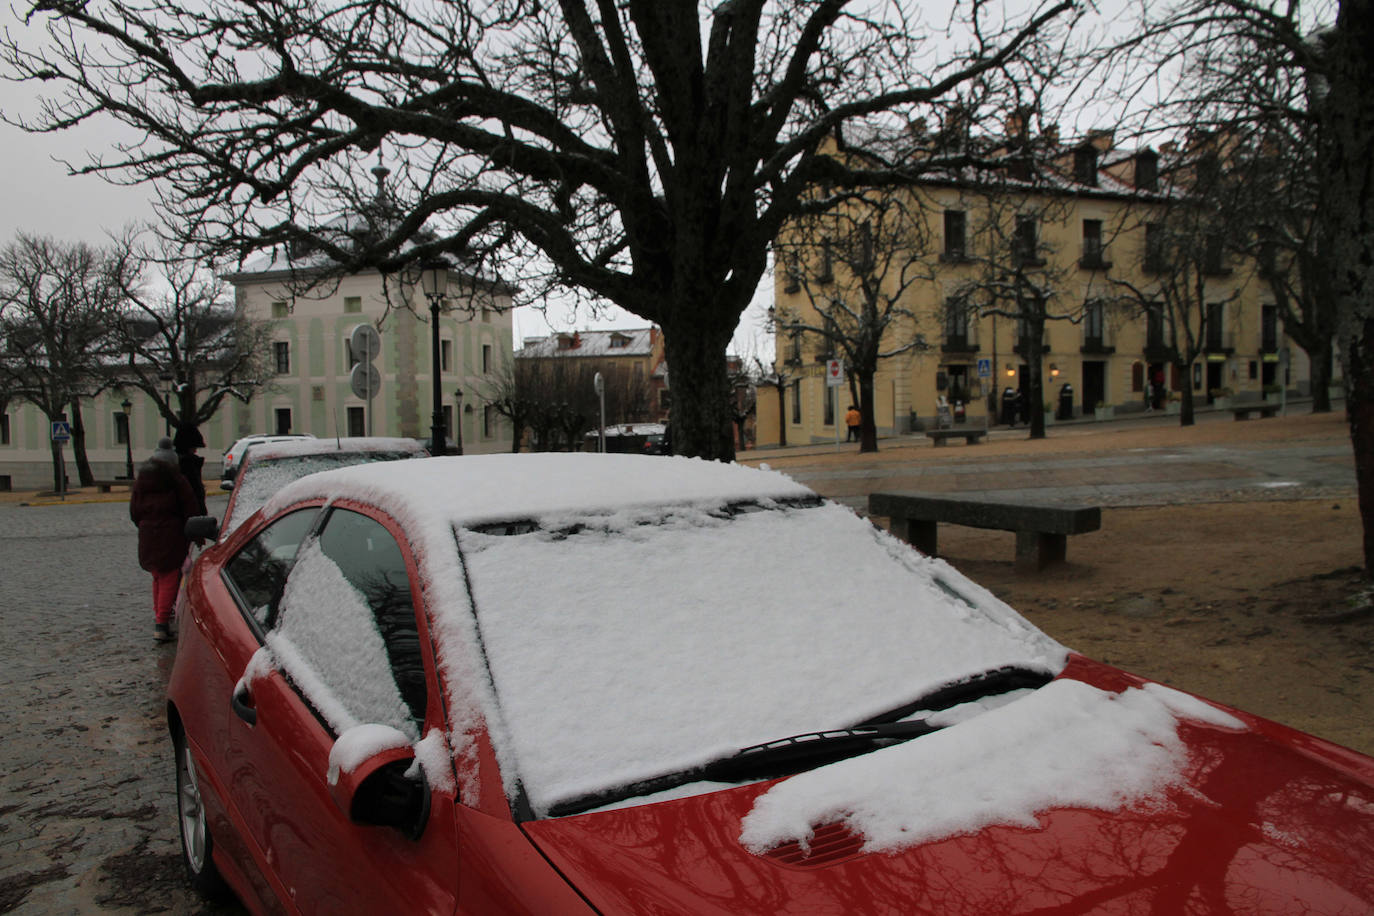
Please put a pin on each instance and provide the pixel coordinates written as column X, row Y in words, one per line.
column 984, row 367
column 61, row 430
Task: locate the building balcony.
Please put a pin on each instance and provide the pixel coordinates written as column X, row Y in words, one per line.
column 1096, row 346
column 958, row 344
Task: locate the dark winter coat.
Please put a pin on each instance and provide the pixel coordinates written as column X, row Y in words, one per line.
column 191, row 469
column 161, row 502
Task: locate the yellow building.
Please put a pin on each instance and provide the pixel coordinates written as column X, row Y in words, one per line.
column 1081, row 230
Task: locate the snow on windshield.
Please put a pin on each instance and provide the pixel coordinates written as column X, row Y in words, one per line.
column 262, row 478
column 643, row 645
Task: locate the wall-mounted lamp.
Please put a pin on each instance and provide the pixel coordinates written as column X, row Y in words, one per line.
column 1054, row 371
column 1010, row 371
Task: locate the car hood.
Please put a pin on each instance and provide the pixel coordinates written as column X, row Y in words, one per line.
column 1266, row 820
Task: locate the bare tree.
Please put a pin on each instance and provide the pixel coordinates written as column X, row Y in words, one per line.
column 555, row 399
column 182, row 341
column 58, row 302
column 856, row 267
column 638, row 154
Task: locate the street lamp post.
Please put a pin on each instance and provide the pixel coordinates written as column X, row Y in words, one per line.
column 434, row 283
column 458, row 422
column 167, row 377
column 127, row 407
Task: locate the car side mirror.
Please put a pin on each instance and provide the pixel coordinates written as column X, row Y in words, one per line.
column 226, row 485
column 378, row 792
column 202, row 528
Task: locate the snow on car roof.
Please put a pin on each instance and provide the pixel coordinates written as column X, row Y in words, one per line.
column 484, row 488
column 288, row 447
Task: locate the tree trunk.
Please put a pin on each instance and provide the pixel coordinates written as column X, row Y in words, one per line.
column 59, row 467
column 1186, row 410
column 1035, row 361
column 868, row 430
column 1360, row 410
column 782, row 415
column 83, row 463
column 701, row 416
column 1320, row 362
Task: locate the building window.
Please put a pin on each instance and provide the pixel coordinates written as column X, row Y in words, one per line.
column 281, row 351
column 1093, row 255
column 796, row 401
column 1085, row 166
column 4, row 429
column 956, row 326
column 353, row 304
column 1093, row 324
column 955, row 229
column 486, row 358
column 356, row 420
column 486, row 315
column 1154, row 326
column 828, row 418
column 283, row 415
column 121, row 423
column 665, row 400
column 279, row 310
column 618, row 342
column 488, row 421
column 1146, row 171
column 448, row 422
column 1269, row 328
column 1213, row 256
column 1216, row 340
column 1154, row 248
column 445, row 355
column 1025, row 241
column 349, row 356
column 827, row 262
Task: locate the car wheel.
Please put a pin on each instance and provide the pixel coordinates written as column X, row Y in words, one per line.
column 197, row 846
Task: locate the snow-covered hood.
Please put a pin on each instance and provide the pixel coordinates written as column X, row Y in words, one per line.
column 1259, row 819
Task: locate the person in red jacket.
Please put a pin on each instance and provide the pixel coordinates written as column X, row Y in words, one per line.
column 161, row 502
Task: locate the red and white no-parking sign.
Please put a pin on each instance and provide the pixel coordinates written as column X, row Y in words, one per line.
column 834, row 372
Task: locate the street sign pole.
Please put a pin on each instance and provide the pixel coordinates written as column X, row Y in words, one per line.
column 834, row 377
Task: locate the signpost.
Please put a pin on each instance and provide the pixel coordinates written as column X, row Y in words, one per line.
column 599, row 386
column 834, row 378
column 364, row 380
column 61, row 433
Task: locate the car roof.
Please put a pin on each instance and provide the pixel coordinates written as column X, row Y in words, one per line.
column 286, row 448
column 484, row 488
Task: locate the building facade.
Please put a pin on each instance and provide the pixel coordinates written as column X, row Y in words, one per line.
column 310, row 390
column 1082, row 236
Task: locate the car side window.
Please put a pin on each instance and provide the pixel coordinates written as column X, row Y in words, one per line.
column 258, row 571
column 347, row 635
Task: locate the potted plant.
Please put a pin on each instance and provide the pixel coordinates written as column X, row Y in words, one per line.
column 1174, row 405
column 1049, row 412
column 1104, row 411
column 1272, row 392
column 1221, row 398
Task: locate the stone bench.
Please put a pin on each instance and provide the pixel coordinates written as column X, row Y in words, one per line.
column 1263, row 408
column 1042, row 529
column 970, row 436
column 104, row 486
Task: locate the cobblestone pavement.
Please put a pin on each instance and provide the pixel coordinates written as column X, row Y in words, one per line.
column 87, row 798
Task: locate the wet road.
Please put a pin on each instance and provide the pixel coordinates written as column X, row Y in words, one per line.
column 87, row 797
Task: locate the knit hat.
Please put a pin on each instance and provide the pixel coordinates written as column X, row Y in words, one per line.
column 164, row 452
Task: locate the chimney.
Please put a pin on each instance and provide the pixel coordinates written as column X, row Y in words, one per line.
column 1052, row 135
column 1102, row 140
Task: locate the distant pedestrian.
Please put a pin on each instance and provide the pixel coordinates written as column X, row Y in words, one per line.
column 186, row 441
column 161, row 502
column 852, row 419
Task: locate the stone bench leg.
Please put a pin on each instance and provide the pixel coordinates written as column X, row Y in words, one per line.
column 938, row 440
column 917, row 533
column 1035, row 550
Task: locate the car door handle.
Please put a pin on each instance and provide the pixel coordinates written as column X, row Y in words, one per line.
column 242, row 703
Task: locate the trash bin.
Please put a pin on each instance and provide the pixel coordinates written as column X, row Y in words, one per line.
column 1065, row 411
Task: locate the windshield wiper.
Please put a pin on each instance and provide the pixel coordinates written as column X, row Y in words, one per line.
column 784, row 756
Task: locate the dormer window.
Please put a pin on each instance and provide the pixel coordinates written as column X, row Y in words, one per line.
column 1146, row 171
column 1085, row 165
column 619, row 341
column 567, row 342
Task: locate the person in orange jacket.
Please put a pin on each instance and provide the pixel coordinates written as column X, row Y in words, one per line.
column 852, row 419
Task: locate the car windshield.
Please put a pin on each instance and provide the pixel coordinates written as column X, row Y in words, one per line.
column 628, row 646
column 261, row 478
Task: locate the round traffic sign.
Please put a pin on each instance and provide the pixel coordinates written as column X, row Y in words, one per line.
column 364, row 380
column 365, row 342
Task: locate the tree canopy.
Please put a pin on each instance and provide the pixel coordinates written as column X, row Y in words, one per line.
column 644, row 152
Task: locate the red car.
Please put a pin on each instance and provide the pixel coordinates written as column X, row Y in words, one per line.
column 557, row 684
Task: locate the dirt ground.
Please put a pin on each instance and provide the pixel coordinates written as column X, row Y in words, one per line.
column 1254, row 604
